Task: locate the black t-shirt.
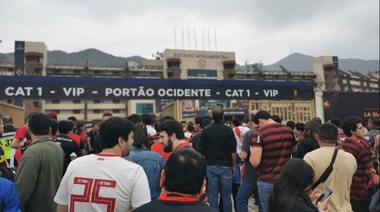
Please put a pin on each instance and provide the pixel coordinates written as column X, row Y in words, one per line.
column 174, row 206
column 68, row 146
column 250, row 172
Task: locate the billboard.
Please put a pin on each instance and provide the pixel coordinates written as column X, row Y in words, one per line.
column 343, row 104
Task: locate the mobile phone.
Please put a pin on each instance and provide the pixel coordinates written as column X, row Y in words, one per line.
column 326, row 193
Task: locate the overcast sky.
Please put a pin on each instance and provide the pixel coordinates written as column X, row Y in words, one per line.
column 257, row 30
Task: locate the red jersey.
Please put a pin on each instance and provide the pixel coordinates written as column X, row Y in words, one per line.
column 276, row 141
column 358, row 190
column 159, row 148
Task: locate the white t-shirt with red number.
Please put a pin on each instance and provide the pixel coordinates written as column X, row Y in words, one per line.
column 101, row 182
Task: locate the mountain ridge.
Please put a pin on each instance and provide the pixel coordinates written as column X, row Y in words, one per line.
column 295, row 62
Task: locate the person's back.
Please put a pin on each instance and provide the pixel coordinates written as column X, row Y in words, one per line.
column 9, row 200
column 272, row 145
column 218, row 141
column 152, row 163
column 340, row 179
column 40, row 171
column 117, row 181
column 7, row 136
column 277, row 141
column 182, row 180
column 105, row 181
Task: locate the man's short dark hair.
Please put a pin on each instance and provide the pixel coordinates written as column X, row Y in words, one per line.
column 245, row 119
column 261, row 114
column 185, row 171
column 198, row 120
column 64, row 126
column 72, row 118
column 134, row 118
column 328, row 133
column 70, row 124
column 277, row 119
column 291, row 124
column 349, row 124
column 146, row 119
column 106, row 114
column 300, row 126
column 236, row 122
column 335, row 121
column 217, row 114
column 114, row 128
column 190, row 127
column 205, row 122
column 170, row 127
column 39, row 124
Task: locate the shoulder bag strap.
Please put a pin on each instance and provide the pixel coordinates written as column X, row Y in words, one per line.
column 328, row 170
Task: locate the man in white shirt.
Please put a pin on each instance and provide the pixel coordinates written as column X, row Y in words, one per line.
column 239, row 131
column 148, row 121
column 105, row 181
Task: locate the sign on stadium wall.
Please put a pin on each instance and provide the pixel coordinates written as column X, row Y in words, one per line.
column 343, row 104
column 110, row 88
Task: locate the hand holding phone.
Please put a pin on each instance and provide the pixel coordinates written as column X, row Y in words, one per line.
column 326, row 193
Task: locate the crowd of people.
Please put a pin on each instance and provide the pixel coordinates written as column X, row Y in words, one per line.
column 140, row 164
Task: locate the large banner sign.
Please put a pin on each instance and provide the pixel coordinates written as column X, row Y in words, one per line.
column 343, row 104
column 110, row 88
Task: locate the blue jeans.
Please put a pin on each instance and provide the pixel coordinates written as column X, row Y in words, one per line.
column 264, row 192
column 220, row 179
column 245, row 191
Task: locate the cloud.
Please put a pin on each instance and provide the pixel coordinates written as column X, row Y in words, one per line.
column 256, row 30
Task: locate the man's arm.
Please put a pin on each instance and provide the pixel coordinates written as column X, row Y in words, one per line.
column 26, row 178
column 294, row 148
column 16, row 143
column 256, row 153
column 233, row 163
column 62, row 208
column 88, row 139
column 243, row 155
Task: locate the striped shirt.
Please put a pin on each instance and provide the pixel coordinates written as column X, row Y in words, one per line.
column 276, row 141
column 358, row 190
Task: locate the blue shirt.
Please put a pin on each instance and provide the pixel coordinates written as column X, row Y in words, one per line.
column 152, row 163
column 9, row 200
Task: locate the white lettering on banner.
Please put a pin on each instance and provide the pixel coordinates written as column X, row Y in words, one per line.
column 20, row 91
column 171, row 92
column 72, row 91
column 237, row 92
column 271, row 93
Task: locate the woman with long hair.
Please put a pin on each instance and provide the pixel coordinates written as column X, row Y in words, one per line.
column 307, row 141
column 291, row 190
column 151, row 162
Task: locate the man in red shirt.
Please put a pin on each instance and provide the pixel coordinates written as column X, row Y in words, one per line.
column 172, row 136
column 360, row 195
column 272, row 146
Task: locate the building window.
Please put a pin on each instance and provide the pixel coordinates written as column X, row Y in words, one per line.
column 97, row 111
column 115, row 111
column 55, row 101
column 142, row 108
column 76, row 111
column 76, row 101
column 201, row 73
column 97, row 101
column 9, row 101
column 116, row 101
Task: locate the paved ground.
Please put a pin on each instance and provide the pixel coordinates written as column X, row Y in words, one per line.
column 252, row 208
